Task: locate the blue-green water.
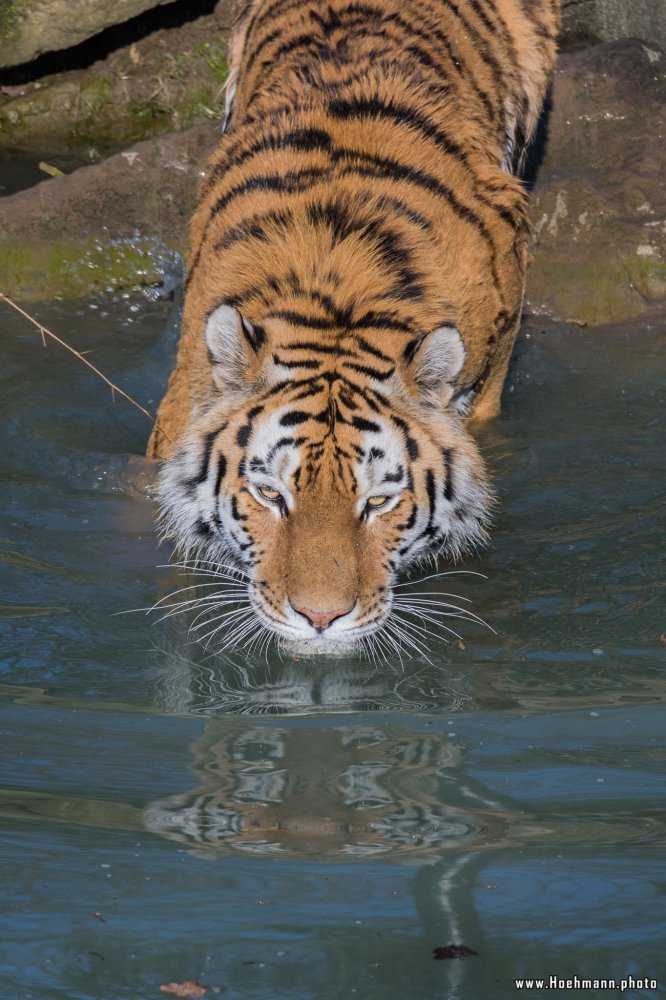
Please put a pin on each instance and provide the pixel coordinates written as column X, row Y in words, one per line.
column 284, row 828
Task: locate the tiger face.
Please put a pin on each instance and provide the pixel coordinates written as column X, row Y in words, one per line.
column 323, row 471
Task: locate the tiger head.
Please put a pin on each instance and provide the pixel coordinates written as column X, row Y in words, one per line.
column 322, row 469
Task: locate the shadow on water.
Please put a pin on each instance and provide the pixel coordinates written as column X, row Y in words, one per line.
column 313, row 829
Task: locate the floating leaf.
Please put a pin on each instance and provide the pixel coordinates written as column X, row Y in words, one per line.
column 188, row 988
column 453, row 951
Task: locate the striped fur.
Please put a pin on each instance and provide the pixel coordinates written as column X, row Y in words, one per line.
column 355, row 282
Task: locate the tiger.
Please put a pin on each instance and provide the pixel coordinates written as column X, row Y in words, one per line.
column 355, row 280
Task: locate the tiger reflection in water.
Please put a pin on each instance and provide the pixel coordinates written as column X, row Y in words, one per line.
column 347, row 791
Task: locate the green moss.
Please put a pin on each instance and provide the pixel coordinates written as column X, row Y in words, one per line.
column 112, row 106
column 648, row 276
column 592, row 292
column 7, row 19
column 32, row 271
column 214, row 55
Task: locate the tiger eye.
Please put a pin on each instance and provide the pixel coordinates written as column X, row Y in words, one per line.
column 377, row 501
column 268, row 493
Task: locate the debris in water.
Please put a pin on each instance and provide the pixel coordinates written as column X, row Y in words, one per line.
column 188, row 988
column 48, row 168
column 453, row 951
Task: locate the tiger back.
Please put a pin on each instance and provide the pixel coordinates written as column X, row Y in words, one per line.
column 355, row 281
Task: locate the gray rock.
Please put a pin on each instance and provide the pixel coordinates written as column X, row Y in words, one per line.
column 610, row 20
column 599, row 203
column 28, row 28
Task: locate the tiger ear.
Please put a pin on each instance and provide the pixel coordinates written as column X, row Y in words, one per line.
column 233, row 345
column 435, row 363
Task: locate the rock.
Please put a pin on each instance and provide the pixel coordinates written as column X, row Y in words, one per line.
column 29, row 28
column 610, row 20
column 117, row 224
column 153, row 82
column 599, row 201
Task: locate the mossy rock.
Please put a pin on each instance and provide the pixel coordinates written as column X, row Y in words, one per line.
column 31, row 271
column 169, row 80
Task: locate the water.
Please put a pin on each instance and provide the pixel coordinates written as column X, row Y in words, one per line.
column 285, row 828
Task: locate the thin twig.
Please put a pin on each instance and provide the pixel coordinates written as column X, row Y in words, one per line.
column 77, row 354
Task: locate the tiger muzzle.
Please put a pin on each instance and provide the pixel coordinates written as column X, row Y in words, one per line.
column 322, row 565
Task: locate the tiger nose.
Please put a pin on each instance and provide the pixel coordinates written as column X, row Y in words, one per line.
column 322, row 619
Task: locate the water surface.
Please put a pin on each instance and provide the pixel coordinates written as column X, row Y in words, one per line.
column 285, row 828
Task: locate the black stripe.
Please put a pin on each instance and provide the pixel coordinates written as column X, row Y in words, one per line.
column 254, row 335
column 341, row 315
column 361, row 107
column 361, row 424
column 221, row 470
column 271, row 11
column 300, row 319
column 296, row 417
column 307, row 363
column 412, row 445
column 448, row 471
column 368, row 348
column 386, row 202
column 302, row 140
column 284, row 442
column 409, row 523
column 258, row 47
column 370, row 372
column 209, row 441
column 395, row 477
column 287, row 183
column 382, row 320
column 386, row 168
column 235, row 513
column 301, row 345
column 243, row 433
column 430, row 490
column 253, row 227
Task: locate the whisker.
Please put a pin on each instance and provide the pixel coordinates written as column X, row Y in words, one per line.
column 436, row 576
column 239, row 632
column 194, row 627
column 428, row 609
column 198, row 566
column 384, row 640
column 403, row 636
column 232, row 613
column 431, row 593
column 184, row 606
column 419, row 628
column 223, row 619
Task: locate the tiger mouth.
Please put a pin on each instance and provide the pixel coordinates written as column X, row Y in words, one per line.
column 292, row 635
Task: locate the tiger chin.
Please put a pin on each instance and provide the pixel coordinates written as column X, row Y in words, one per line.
column 355, row 281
